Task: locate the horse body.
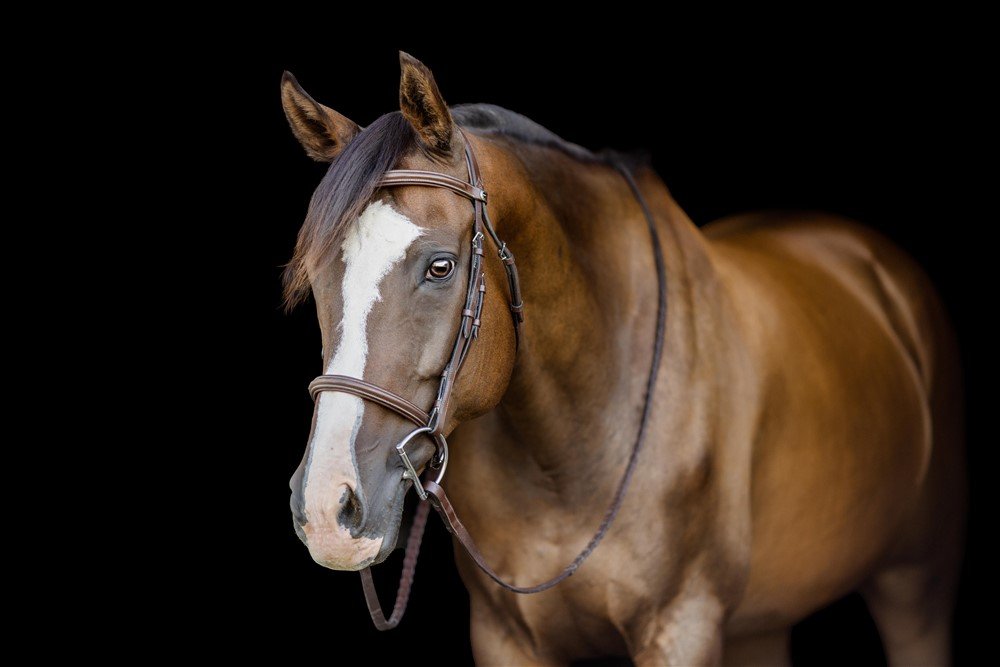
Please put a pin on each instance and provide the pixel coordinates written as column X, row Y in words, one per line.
column 858, row 471
column 794, row 454
column 805, row 439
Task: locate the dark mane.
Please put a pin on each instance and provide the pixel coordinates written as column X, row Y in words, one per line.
column 350, row 181
column 339, row 198
column 490, row 119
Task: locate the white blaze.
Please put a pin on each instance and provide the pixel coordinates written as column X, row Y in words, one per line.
column 375, row 243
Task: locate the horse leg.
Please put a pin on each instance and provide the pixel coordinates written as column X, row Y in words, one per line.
column 687, row 632
column 912, row 606
column 770, row 649
column 496, row 643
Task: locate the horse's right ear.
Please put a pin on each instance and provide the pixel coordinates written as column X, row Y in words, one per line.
column 322, row 131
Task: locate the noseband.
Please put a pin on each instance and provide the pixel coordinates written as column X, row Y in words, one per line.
column 433, row 423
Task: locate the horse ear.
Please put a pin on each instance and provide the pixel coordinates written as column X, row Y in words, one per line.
column 322, row 131
column 423, row 106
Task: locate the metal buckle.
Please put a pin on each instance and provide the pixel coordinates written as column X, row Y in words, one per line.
column 433, row 417
column 503, row 251
column 441, row 453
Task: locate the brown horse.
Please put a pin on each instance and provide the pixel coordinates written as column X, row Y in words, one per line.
column 806, row 436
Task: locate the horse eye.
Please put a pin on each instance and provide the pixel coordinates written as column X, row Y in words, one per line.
column 440, row 269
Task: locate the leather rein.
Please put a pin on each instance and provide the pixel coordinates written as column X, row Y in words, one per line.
column 432, row 424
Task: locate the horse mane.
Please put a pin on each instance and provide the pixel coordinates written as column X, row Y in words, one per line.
column 351, row 180
column 489, row 119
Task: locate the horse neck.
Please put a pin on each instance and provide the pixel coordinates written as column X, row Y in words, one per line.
column 572, row 407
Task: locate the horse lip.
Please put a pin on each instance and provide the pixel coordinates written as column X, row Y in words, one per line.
column 393, row 520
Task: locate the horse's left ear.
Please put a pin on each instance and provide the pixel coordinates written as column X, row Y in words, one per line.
column 322, row 131
column 423, row 106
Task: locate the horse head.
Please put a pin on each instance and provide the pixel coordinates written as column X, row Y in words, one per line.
column 388, row 269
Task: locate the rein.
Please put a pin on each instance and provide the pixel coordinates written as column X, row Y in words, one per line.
column 431, row 424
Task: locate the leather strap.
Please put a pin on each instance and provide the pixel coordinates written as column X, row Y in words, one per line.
column 370, row 392
column 387, row 399
column 419, row 177
column 439, row 499
column 405, row 579
column 475, row 294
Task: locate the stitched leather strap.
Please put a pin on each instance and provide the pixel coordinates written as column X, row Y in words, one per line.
column 476, row 286
column 419, row 177
column 370, row 392
column 387, row 399
column 405, row 579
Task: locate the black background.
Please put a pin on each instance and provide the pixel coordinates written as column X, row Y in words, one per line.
column 867, row 125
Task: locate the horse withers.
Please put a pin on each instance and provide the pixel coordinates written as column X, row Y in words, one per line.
column 805, row 436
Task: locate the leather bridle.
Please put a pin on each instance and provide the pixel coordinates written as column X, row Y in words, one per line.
column 433, row 423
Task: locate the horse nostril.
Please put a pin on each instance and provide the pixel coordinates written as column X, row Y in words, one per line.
column 351, row 515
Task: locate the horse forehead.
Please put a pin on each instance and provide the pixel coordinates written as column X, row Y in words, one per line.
column 430, row 207
column 376, row 241
column 434, row 209
column 371, row 247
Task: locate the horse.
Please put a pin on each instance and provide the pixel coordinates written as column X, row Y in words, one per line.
column 804, row 435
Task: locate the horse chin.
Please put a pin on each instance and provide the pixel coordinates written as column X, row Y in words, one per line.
column 339, row 551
